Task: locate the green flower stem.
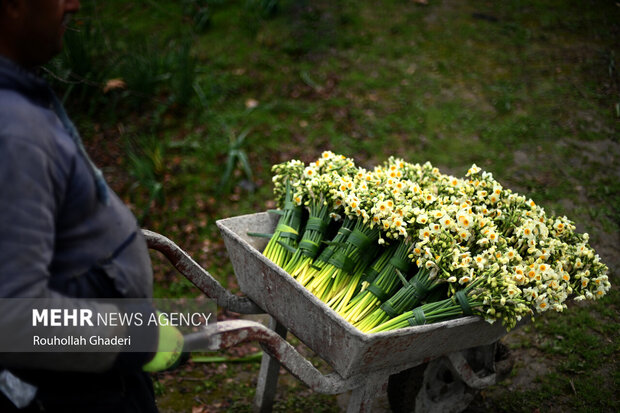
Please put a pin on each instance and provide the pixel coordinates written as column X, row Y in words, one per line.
column 370, row 275
column 436, row 311
column 385, row 284
column 309, row 246
column 307, row 275
column 344, row 262
column 401, row 320
column 323, row 281
column 348, row 288
column 286, row 232
column 409, row 296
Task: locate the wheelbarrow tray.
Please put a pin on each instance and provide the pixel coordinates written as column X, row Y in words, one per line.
column 344, row 347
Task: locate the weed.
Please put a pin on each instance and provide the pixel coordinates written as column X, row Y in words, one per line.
column 143, row 74
column 159, row 388
column 83, row 65
column 262, row 8
column 146, row 165
column 236, row 157
column 199, row 11
column 182, row 66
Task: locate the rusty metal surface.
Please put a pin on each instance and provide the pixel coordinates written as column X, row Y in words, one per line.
column 362, row 398
column 267, row 380
column 465, row 373
column 349, row 351
column 199, row 276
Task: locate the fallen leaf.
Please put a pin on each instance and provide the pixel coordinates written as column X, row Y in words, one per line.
column 113, row 84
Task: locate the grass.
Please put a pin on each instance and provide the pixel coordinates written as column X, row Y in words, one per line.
column 528, row 90
column 583, row 347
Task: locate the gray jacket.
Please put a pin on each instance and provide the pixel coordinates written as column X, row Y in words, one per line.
column 57, row 239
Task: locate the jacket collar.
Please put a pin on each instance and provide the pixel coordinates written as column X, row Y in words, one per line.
column 15, row 77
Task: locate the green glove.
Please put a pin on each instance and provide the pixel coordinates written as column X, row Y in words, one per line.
column 169, row 350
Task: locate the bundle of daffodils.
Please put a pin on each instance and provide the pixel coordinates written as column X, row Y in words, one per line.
column 404, row 245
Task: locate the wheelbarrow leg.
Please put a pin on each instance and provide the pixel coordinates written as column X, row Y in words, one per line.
column 268, row 375
column 362, row 397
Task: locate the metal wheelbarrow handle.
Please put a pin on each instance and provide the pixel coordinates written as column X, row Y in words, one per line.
column 199, row 276
column 225, row 334
column 231, row 333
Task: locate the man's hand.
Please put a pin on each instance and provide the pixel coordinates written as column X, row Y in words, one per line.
column 169, row 350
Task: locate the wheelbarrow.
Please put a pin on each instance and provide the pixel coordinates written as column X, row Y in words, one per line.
column 435, row 367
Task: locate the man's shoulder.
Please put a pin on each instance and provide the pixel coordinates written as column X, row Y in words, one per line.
column 27, row 122
column 18, row 110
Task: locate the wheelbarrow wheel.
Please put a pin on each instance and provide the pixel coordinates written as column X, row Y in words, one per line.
column 439, row 386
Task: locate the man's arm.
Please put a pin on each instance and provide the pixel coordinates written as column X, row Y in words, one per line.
column 30, row 191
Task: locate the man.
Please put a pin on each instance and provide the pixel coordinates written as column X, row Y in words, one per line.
column 64, row 235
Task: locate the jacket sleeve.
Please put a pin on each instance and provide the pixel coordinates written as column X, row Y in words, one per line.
column 30, row 191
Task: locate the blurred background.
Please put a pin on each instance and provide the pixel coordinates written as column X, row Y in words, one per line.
column 186, row 105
